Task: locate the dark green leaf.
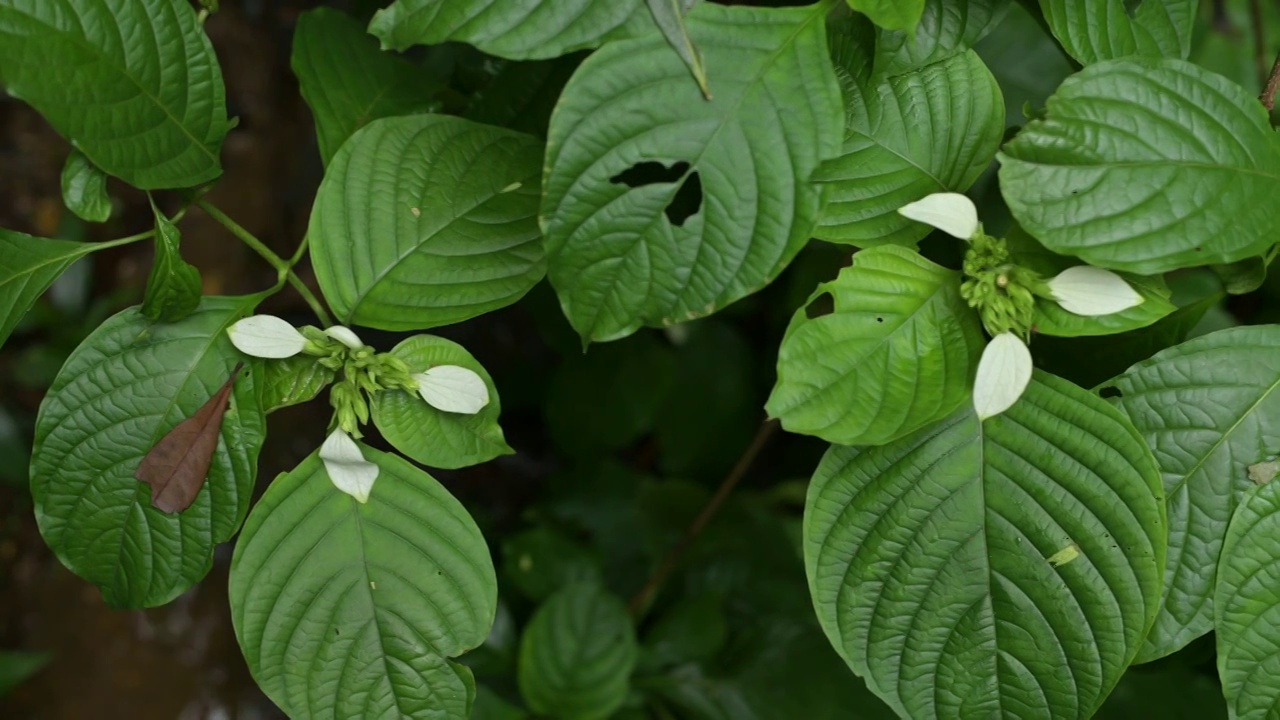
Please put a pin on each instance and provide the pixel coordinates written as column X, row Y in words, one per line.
column 174, row 288
column 540, row 561
column 84, row 189
column 694, row 630
column 16, row 666
column 1026, row 63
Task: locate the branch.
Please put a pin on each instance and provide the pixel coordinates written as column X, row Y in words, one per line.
column 1271, row 87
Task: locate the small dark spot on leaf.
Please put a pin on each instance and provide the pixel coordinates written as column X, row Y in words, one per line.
column 822, row 305
column 879, row 319
column 336, row 631
column 1199, row 249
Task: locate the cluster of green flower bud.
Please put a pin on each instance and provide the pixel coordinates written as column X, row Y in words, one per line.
column 1003, row 292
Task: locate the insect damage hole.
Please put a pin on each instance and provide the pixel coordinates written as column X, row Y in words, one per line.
column 820, row 306
column 688, row 198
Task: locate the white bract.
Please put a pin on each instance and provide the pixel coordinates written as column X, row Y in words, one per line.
column 1003, row 374
column 1087, row 290
column 345, row 336
column 952, row 213
column 266, row 336
column 453, row 388
column 347, row 468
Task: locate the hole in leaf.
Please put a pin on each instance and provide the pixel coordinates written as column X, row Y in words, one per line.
column 820, row 306
column 688, row 198
column 1110, row 391
column 687, row 202
column 879, row 319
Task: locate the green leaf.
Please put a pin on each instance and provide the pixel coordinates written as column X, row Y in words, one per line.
column 374, row 598
column 577, row 654
column 669, row 15
column 427, row 220
column 1209, row 409
column 133, row 84
column 348, row 81
column 541, row 29
column 435, row 437
column 523, row 95
column 1246, row 601
column 694, row 630
column 84, row 189
column 16, row 666
column 490, row 706
column 891, row 14
column 660, row 206
column 28, row 266
column 1243, row 276
column 928, row 558
column 1193, row 189
column 124, row 388
column 174, row 288
column 890, row 158
column 293, row 381
column 897, row 353
column 946, row 28
column 1095, row 30
column 1027, row 65
column 542, row 560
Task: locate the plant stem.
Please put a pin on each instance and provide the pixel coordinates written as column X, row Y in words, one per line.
column 284, row 268
column 1271, row 87
column 642, row 599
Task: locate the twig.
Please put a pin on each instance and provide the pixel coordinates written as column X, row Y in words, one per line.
column 677, row 552
column 1271, row 87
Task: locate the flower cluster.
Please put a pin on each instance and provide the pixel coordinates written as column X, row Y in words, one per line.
column 1004, row 294
column 448, row 388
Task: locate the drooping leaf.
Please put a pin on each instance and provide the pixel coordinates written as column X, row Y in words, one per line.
column 133, row 84
column 897, row 352
column 891, row 14
column 668, row 207
column 434, row 437
column 946, row 28
column 84, row 189
column 28, row 266
column 1095, row 30
column 119, row 393
column 1209, row 409
column 174, row 287
column 1192, row 189
column 890, row 158
column 348, row 81
column 928, row 558
column 669, row 15
column 374, row 597
column 177, row 466
column 293, row 381
column 577, row 654
column 427, row 220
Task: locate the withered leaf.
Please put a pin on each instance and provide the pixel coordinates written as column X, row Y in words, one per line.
column 177, row 466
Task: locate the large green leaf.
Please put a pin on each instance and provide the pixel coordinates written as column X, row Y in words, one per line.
column 1193, row 186
column 1006, row 568
column 352, row 610
column 523, row 30
column 348, row 82
column 897, row 353
column 1095, row 30
column 435, row 437
column 122, row 390
column 577, row 654
column 28, row 266
column 661, row 206
column 427, row 220
column 134, row 84
column 1209, row 409
column 891, row 158
column 1247, row 605
column 946, row 28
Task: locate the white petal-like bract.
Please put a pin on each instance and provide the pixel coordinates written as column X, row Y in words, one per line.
column 952, row 213
column 266, row 336
column 344, row 335
column 347, row 468
column 1003, row 374
column 453, row 388
column 1087, row 290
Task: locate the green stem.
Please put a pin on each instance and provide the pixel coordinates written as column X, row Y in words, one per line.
column 123, row 241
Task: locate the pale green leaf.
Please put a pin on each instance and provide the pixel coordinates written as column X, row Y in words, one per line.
column 660, row 206
column 348, row 81
column 891, row 14
column 435, row 437
column 890, row 158
column 1095, row 30
column 946, row 28
column 174, row 288
column 427, row 220
column 1192, row 187
column 84, row 189
column 292, row 381
column 133, row 84
column 576, row 655
column 28, row 266
column 1209, row 409
column 928, row 558
column 897, row 352
column 123, row 389
column 352, row 610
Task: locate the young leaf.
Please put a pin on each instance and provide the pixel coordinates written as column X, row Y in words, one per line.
column 667, row 207
column 928, row 558
column 293, row 381
column 178, row 465
column 348, row 82
column 897, row 353
column 669, row 15
column 434, row 437
column 1209, row 409
column 1083, row 184
column 891, row 14
column 84, row 189
column 174, row 287
column 427, row 196
column 577, row 654
column 133, row 84
column 377, row 596
column 944, row 30
column 28, row 266
column 1242, row 276
column 1095, row 30
column 118, row 394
